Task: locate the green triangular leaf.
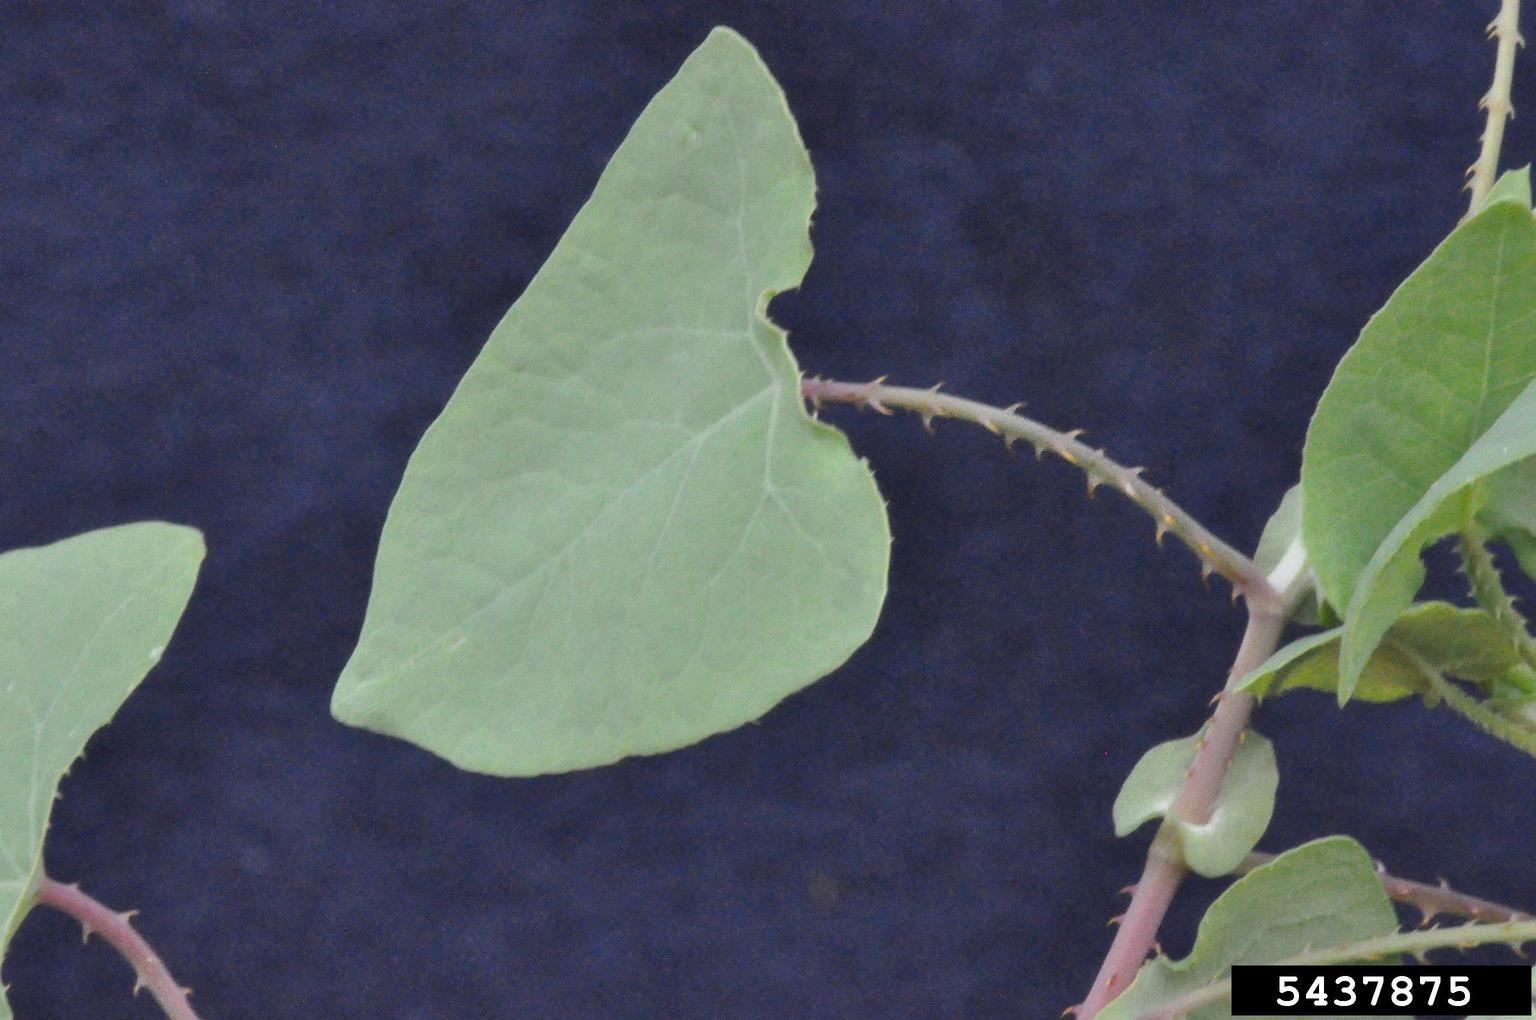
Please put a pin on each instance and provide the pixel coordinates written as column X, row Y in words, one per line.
column 1512, row 186
column 1242, row 811
column 1465, row 643
column 83, row 620
column 1395, row 573
column 1323, row 893
column 1432, row 371
column 624, row 533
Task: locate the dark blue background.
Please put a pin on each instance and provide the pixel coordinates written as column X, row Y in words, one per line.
column 247, row 250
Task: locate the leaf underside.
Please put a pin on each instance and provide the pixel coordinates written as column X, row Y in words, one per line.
column 624, row 533
column 1395, row 573
column 1510, row 512
column 81, row 623
column 1464, row 643
column 1403, row 431
column 1322, row 893
column 1238, row 819
column 1276, row 542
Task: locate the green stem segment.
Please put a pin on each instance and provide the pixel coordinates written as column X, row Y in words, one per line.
column 1505, row 29
column 94, row 917
column 1481, row 716
column 1487, row 587
column 1215, row 555
column 1414, row 943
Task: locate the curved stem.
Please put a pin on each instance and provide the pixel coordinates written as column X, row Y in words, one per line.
column 1415, row 943
column 1431, row 900
column 116, row 928
column 1215, row 555
column 1165, row 868
column 1505, row 28
column 1488, row 589
column 1270, row 602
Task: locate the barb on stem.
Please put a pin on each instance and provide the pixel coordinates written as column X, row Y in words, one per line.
column 1216, row 556
column 149, row 970
column 1505, row 30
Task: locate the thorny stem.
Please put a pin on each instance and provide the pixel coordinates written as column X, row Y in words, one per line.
column 1270, row 602
column 1431, row 900
column 1215, row 555
column 1415, row 943
column 150, row 972
column 1481, row 716
column 1488, row 588
column 1165, row 869
column 1505, row 28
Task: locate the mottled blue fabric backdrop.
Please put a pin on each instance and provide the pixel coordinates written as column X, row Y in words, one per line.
column 246, row 250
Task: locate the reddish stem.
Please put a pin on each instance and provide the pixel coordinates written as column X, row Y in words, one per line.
column 116, row 928
column 1137, row 934
column 1431, row 900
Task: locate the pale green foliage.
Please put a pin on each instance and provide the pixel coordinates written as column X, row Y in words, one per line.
column 1320, row 894
column 1385, row 462
column 1238, row 819
column 1431, row 372
column 81, row 622
column 1510, row 512
column 1465, row 643
column 1512, row 186
column 1281, row 530
column 624, row 533
column 1395, row 573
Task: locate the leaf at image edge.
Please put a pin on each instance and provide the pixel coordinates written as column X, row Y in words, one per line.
column 1395, row 573
column 1512, row 186
column 624, row 533
column 1322, row 893
column 1431, row 371
column 84, row 619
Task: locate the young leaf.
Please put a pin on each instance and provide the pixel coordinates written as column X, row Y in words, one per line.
column 1392, row 577
column 83, row 621
column 1282, row 553
column 1322, row 893
column 624, row 533
column 1510, row 512
column 1282, row 529
column 1238, row 820
column 1512, row 186
column 1432, row 371
column 1465, row 643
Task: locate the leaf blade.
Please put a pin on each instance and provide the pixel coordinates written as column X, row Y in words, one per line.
column 1465, row 643
column 1431, row 372
column 1238, row 818
column 1394, row 573
column 84, row 620
column 1321, row 893
column 664, row 543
